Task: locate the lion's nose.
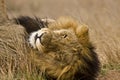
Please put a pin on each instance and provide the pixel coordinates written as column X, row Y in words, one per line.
column 43, row 38
column 38, row 37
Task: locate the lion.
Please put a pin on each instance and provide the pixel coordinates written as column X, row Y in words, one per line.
column 63, row 50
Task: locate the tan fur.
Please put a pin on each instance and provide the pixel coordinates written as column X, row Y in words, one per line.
column 81, row 30
column 60, row 57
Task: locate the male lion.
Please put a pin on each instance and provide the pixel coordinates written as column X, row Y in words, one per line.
column 63, row 50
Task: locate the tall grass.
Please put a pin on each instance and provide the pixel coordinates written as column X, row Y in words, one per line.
column 102, row 16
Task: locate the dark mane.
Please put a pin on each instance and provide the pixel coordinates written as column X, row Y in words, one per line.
column 31, row 24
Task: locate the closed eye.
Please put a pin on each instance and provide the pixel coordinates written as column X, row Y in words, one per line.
column 64, row 36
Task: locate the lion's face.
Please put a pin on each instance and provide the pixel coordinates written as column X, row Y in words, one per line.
column 63, row 40
column 59, row 37
column 61, row 44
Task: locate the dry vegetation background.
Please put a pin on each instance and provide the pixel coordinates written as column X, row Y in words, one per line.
column 102, row 16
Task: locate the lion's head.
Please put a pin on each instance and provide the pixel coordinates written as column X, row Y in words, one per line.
column 65, row 52
column 64, row 34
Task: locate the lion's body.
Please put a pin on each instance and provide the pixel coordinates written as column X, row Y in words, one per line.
column 64, row 51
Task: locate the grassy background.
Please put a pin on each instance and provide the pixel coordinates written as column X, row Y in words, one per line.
column 102, row 16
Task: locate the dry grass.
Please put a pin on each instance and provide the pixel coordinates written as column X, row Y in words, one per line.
column 102, row 16
column 16, row 57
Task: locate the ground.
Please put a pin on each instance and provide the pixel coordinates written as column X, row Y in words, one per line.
column 102, row 16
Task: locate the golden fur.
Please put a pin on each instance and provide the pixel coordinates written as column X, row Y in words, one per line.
column 65, row 52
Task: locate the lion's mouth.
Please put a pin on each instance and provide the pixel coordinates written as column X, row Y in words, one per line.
column 40, row 38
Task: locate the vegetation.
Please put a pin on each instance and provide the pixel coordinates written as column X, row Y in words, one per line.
column 102, row 18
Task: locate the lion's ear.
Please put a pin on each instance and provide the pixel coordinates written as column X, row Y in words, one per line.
column 82, row 34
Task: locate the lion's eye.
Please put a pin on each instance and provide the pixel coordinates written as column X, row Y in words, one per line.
column 65, row 35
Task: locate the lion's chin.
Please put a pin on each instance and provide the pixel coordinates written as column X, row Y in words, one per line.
column 39, row 46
